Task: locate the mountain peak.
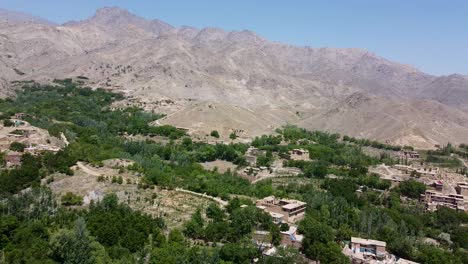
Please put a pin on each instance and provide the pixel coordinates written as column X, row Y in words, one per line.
column 112, row 11
column 114, row 15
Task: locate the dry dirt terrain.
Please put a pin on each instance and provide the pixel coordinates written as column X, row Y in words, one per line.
column 175, row 206
column 253, row 85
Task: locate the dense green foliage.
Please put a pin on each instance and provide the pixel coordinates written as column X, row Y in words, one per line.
column 214, row 133
column 374, row 144
column 17, row 146
column 71, row 199
column 35, row 229
column 412, row 188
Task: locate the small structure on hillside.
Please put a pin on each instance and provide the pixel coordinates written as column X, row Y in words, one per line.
column 434, row 199
column 462, row 188
column 251, row 155
column 368, row 248
column 438, row 185
column 19, row 116
column 423, row 171
column 13, row 159
column 282, row 210
column 291, row 237
column 410, row 154
column 369, row 251
column 297, row 154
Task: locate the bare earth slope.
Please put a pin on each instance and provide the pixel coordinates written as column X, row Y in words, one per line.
column 255, row 83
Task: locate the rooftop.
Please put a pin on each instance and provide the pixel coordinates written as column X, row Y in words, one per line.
column 293, row 205
column 275, row 215
column 364, row 241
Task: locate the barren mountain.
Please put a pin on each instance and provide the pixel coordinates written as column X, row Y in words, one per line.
column 420, row 123
column 249, row 78
column 18, row 17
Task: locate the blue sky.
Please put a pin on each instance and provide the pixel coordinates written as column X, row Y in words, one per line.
column 431, row 35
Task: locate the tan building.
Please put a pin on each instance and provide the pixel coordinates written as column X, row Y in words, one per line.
column 297, row 154
column 462, row 188
column 251, row 155
column 291, row 237
column 410, row 154
column 282, row 210
column 13, row 159
column 368, row 248
column 423, row 171
column 436, row 199
column 368, row 251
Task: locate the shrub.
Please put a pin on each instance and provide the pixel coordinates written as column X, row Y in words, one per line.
column 214, row 133
column 17, row 146
column 412, row 188
column 72, row 199
column 8, row 123
column 233, row 136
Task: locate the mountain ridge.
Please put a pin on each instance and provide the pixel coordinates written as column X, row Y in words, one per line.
column 150, row 59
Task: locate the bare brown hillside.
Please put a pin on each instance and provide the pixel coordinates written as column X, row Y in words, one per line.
column 256, row 84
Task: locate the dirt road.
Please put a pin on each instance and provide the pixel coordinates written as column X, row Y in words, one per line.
column 87, row 170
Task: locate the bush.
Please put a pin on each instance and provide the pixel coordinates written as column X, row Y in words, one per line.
column 72, row 199
column 8, row 123
column 214, row 133
column 412, row 188
column 17, row 146
column 233, row 136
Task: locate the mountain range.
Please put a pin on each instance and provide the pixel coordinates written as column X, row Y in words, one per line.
column 210, row 78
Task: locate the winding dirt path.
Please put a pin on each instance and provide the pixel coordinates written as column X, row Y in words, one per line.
column 87, row 170
column 216, row 199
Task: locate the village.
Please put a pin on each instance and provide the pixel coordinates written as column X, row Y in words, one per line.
column 444, row 188
column 18, row 137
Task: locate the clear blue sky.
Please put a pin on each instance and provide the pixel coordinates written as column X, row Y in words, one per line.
column 431, row 35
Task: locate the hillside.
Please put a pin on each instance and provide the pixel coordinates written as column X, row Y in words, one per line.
column 151, row 60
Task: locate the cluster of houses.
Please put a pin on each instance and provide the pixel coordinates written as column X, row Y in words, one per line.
column 436, row 196
column 369, row 251
column 409, row 154
column 297, row 154
column 21, row 132
column 283, row 211
column 255, row 173
column 423, row 171
column 434, row 199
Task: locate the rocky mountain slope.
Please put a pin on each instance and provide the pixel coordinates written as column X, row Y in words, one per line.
column 150, row 60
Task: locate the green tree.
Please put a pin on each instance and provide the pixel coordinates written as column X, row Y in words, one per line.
column 432, row 255
column 77, row 247
column 17, row 146
column 327, row 253
column 232, row 136
column 412, row 188
column 214, row 212
column 72, row 199
column 214, row 134
column 194, row 227
column 8, row 123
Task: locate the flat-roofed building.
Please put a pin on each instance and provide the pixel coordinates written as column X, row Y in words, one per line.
column 409, row 154
column 436, row 199
column 462, row 188
column 251, row 155
column 423, row 171
column 282, row 210
column 368, row 247
column 13, row 159
column 296, row 154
